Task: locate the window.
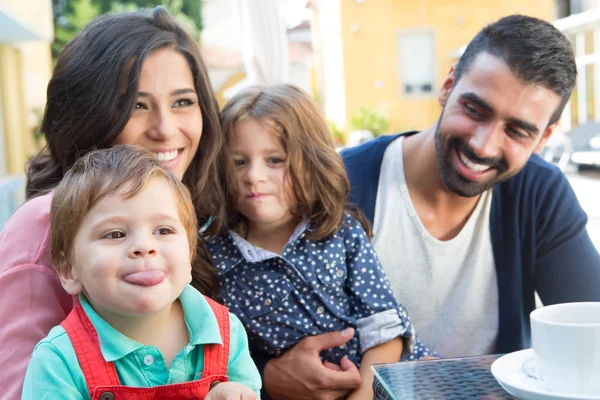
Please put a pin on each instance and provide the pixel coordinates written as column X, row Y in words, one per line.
column 415, row 62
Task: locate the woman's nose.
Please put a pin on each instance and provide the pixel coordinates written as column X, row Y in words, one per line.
column 164, row 126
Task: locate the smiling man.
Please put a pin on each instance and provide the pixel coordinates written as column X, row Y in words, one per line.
column 468, row 222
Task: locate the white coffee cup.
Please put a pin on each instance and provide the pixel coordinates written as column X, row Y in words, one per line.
column 566, row 343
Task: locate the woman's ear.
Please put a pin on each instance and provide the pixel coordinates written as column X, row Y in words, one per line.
column 68, row 276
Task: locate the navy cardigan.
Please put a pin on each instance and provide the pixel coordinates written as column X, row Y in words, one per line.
column 538, row 233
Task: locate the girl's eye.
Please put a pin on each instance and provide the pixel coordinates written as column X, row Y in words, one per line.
column 238, row 162
column 184, row 103
column 163, row 231
column 275, row 160
column 114, row 235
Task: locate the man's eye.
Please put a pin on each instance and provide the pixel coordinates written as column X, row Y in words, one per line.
column 472, row 110
column 163, row 231
column 114, row 235
column 517, row 133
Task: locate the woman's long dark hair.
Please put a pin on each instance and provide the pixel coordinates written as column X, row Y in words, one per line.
column 90, row 99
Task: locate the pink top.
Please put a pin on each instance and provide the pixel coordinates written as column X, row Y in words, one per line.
column 32, row 300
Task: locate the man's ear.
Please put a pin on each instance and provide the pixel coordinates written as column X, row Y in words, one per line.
column 545, row 136
column 447, row 86
column 68, row 277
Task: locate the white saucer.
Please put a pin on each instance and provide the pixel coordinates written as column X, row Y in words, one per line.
column 508, row 371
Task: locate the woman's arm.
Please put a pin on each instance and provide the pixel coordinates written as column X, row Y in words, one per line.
column 33, row 301
column 386, row 352
column 31, row 297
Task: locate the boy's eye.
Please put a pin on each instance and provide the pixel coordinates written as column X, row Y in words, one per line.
column 163, row 231
column 114, row 235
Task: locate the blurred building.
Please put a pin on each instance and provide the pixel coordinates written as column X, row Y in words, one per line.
column 26, row 31
column 393, row 55
column 248, row 41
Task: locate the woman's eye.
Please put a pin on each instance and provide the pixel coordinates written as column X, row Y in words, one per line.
column 238, row 162
column 114, row 235
column 275, row 160
column 183, row 103
column 140, row 106
column 163, row 231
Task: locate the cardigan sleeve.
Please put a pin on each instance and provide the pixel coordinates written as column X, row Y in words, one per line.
column 568, row 265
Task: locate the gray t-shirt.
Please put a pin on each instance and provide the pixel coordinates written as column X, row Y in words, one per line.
column 449, row 287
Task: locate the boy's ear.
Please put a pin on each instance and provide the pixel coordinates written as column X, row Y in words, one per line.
column 68, row 277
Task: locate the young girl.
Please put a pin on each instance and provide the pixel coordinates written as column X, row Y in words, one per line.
column 133, row 78
column 295, row 262
column 140, row 331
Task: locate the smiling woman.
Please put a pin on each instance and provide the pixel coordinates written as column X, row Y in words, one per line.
column 166, row 118
column 127, row 78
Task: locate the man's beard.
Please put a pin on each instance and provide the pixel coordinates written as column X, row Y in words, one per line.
column 446, row 146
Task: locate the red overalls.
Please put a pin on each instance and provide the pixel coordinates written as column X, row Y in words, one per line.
column 101, row 376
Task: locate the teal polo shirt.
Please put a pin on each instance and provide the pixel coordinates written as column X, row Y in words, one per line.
column 54, row 371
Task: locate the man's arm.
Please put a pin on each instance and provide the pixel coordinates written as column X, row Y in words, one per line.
column 568, row 264
column 300, row 374
column 386, row 352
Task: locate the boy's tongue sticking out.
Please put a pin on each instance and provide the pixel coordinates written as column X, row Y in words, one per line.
column 145, row 278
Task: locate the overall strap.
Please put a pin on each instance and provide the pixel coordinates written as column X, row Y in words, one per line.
column 84, row 338
column 216, row 356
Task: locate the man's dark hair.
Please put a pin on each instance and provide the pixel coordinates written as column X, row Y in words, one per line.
column 534, row 50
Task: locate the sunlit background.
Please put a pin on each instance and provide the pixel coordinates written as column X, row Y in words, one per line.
column 374, row 65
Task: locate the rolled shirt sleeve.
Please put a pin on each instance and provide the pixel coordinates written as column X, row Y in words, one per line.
column 379, row 316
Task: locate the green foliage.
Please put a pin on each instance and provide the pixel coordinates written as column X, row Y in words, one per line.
column 71, row 16
column 339, row 136
column 367, row 118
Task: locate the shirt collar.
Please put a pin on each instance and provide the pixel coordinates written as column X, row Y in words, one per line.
column 253, row 254
column 201, row 322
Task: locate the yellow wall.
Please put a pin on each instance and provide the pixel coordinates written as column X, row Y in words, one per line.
column 369, row 48
column 25, row 69
column 13, row 110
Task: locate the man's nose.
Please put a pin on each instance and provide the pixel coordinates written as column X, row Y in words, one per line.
column 487, row 139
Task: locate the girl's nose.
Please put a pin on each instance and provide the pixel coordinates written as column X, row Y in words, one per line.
column 255, row 173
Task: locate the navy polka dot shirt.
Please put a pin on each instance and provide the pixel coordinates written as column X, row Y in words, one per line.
column 313, row 287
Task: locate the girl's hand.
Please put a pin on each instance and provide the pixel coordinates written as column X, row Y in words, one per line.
column 230, row 391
